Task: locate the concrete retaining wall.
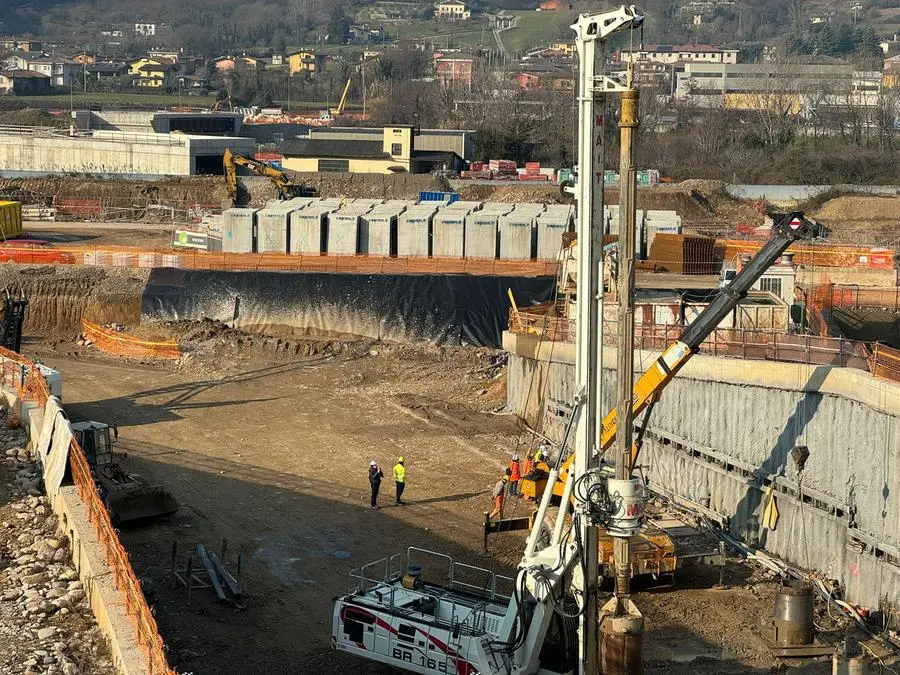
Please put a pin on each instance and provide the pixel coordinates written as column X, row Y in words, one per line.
column 111, row 153
column 724, row 430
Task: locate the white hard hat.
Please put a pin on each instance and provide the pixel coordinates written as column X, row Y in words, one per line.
column 515, row 456
column 372, row 463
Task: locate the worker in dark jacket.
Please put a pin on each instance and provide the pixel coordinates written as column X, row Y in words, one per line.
column 375, row 476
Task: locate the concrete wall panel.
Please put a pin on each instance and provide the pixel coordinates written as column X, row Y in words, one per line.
column 737, row 434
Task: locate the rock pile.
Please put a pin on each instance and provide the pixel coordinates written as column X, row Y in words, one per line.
column 46, row 625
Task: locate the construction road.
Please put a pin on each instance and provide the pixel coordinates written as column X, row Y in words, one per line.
column 271, row 453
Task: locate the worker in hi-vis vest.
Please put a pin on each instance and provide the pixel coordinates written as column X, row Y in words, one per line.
column 400, row 480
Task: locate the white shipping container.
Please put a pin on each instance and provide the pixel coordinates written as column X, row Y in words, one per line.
column 414, row 231
column 378, row 233
column 448, row 233
column 239, row 230
column 343, row 232
column 308, row 230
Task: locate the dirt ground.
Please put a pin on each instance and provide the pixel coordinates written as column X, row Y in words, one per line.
column 101, row 234
column 270, row 452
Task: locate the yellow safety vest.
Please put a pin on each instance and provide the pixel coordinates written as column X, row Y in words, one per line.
column 399, row 473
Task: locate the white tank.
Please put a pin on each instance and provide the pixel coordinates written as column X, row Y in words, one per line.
column 628, row 499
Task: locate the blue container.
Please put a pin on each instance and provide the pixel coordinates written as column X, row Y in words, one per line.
column 448, row 197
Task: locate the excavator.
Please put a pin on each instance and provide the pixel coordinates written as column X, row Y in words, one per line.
column 654, row 550
column 127, row 497
column 286, row 188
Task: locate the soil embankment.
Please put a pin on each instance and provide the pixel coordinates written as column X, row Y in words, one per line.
column 60, row 296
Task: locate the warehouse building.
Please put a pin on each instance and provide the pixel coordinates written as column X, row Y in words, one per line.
column 391, row 150
column 40, row 152
column 459, row 141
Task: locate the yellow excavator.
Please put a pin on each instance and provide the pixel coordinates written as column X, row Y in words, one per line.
column 654, row 550
column 286, row 188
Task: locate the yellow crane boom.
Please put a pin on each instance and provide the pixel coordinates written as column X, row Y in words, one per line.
column 787, row 229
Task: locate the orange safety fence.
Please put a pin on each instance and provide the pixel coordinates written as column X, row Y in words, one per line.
column 885, row 362
column 28, row 380
column 730, row 342
column 864, row 296
column 123, row 256
column 119, row 344
column 822, row 255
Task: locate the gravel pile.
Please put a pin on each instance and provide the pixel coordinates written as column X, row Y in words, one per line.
column 46, row 624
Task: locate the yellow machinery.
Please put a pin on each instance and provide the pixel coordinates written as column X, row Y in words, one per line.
column 653, row 550
column 287, row 189
column 331, row 113
column 10, row 220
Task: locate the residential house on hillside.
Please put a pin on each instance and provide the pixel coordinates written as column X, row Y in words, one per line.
column 171, row 55
column 554, row 6
column 134, row 65
column 19, row 60
column 103, row 70
column 62, row 72
column 156, row 76
column 84, row 58
column 456, row 71
column 150, row 29
column 545, row 75
column 153, row 72
column 24, row 83
column 20, row 45
column 563, row 48
column 891, row 73
column 453, row 10
column 226, row 63
column 304, row 61
column 672, row 54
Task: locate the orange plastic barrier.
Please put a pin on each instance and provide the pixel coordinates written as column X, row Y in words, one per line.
column 123, row 256
column 822, row 255
column 25, row 376
column 120, row 344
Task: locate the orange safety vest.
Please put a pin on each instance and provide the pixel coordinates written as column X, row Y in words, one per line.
column 514, row 474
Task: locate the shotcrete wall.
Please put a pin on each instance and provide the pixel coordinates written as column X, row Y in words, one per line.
column 724, row 430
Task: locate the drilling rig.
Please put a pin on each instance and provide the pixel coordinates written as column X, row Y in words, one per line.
column 548, row 619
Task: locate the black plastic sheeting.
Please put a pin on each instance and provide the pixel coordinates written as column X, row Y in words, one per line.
column 441, row 309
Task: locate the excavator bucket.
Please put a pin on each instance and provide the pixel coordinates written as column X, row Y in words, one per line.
column 139, row 502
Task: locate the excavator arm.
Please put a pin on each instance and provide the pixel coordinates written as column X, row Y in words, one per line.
column 788, row 228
